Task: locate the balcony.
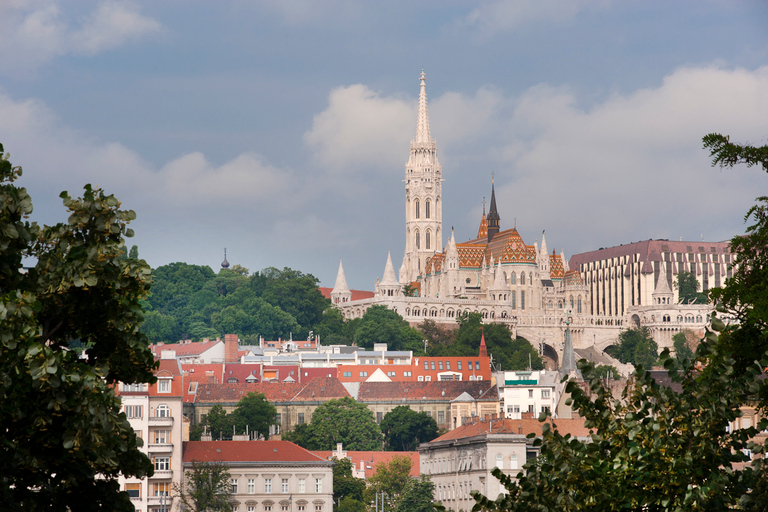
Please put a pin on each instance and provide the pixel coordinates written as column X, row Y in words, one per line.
column 158, row 500
column 160, row 421
column 160, row 448
column 162, row 474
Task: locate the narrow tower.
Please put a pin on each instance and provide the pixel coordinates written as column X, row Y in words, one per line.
column 493, row 215
column 423, row 197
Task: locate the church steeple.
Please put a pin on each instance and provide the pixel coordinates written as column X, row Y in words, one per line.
column 423, row 196
column 483, row 231
column 493, row 215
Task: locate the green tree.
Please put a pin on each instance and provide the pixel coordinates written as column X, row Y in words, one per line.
column 688, row 289
column 745, row 294
column 635, row 346
column 64, row 439
column 346, row 486
column 295, row 293
column 254, row 412
column 605, row 371
column 391, row 478
column 205, row 488
column 684, row 343
column 330, row 330
column 218, row 423
column 383, row 325
column 656, row 449
column 404, row 429
column 339, row 421
column 351, row 505
column 417, row 496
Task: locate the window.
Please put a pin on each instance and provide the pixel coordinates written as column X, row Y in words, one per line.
column 500, row 461
column 428, row 237
column 469, row 365
column 267, row 486
column 284, row 485
column 162, row 436
column 544, row 393
column 192, row 387
column 251, row 508
column 544, row 408
column 390, row 374
column 418, row 240
column 441, row 416
column 133, row 411
column 302, row 507
column 363, row 374
column 447, row 365
column 530, row 408
column 426, row 211
column 284, row 507
column 164, row 386
column 133, row 388
column 267, row 507
column 522, row 277
column 522, row 300
column 426, row 365
column 432, row 364
column 279, row 418
column 318, row 485
column 301, row 418
column 251, row 486
column 379, row 417
column 347, row 374
column 163, row 411
column 477, row 365
column 416, row 203
column 513, row 461
column 133, row 490
column 233, row 485
column 421, row 378
column 428, row 378
column 458, row 364
column 162, row 463
column 530, row 393
column 302, row 485
column 407, row 374
column 513, row 296
column 318, row 507
column 440, row 365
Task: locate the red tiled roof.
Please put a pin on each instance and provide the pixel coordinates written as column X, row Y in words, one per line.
column 575, row 427
column 371, row 460
column 556, row 269
column 434, row 390
column 649, row 250
column 230, row 393
column 241, row 371
column 185, row 349
column 356, row 294
column 322, row 389
column 247, row 451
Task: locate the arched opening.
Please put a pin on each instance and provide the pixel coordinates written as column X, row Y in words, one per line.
column 426, row 209
column 416, row 207
column 550, row 357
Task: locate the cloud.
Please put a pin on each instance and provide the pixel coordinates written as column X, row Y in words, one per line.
column 503, row 15
column 632, row 166
column 360, row 127
column 37, row 31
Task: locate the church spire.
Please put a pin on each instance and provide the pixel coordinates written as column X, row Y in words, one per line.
column 422, row 128
column 493, row 214
column 341, row 292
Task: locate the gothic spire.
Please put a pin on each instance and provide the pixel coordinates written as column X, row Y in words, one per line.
column 493, row 215
column 422, row 129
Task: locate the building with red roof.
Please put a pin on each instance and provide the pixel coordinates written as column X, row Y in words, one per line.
column 365, row 463
column 269, row 476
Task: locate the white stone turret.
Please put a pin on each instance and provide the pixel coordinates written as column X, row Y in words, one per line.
column 662, row 294
column 389, row 285
column 451, row 269
column 341, row 292
column 543, row 259
column 423, row 196
column 499, row 290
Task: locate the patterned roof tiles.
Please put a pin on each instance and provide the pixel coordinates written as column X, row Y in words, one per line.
column 470, row 255
column 556, row 269
column 573, row 278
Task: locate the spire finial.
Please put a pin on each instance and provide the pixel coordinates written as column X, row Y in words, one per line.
column 225, row 263
column 483, row 205
column 422, row 130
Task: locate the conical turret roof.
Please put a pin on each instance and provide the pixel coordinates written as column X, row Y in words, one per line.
column 341, row 281
column 389, row 278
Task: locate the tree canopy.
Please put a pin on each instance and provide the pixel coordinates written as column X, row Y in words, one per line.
column 343, row 420
column 192, row 302
column 205, row 488
column 64, row 439
column 404, row 429
column 391, row 478
column 636, row 346
column 383, row 325
column 688, row 289
column 253, row 413
column 346, row 486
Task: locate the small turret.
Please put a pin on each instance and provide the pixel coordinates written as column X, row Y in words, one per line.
column 493, row 215
column 341, row 292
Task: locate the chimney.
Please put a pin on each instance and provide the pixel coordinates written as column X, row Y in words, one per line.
column 230, row 348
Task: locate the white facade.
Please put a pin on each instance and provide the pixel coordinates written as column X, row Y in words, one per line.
column 531, row 392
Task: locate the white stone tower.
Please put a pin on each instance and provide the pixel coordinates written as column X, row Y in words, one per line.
column 341, row 294
column 423, row 197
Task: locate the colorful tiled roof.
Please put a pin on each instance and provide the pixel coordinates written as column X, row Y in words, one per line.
column 556, row 269
column 575, row 427
column 185, row 348
column 483, row 231
column 573, row 278
column 470, row 255
column 247, row 451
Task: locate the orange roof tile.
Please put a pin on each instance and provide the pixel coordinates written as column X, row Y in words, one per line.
column 575, row 427
column 556, row 266
column 356, row 294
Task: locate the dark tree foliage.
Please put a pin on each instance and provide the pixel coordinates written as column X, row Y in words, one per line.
column 417, row 496
column 64, row 439
column 383, row 325
column 346, row 486
column 191, row 302
column 654, row 449
column 683, row 344
column 688, row 289
column 635, row 346
column 338, row 421
column 508, row 354
column 404, row 429
column 254, row 413
column 391, row 478
column 205, row 488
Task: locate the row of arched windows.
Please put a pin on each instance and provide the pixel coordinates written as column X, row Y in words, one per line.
column 427, row 239
column 427, row 209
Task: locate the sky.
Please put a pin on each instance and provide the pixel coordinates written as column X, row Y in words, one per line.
column 280, row 130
